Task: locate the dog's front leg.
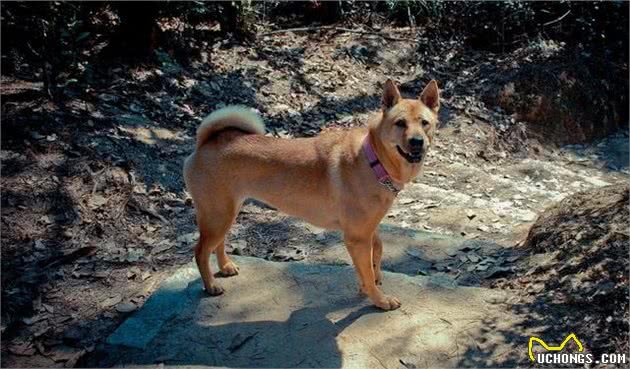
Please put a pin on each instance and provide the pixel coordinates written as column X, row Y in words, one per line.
column 377, row 254
column 360, row 249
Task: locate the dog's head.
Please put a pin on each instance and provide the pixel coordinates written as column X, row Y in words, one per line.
column 407, row 126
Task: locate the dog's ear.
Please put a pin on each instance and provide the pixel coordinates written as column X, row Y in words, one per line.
column 430, row 96
column 391, row 96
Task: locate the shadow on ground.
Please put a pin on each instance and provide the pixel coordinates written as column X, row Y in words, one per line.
column 310, row 315
column 193, row 329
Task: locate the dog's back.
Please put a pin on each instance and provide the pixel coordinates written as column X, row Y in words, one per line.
column 299, row 176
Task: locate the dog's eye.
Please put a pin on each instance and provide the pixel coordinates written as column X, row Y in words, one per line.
column 425, row 123
column 401, row 123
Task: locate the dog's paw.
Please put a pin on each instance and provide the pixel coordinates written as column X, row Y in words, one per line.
column 387, row 302
column 215, row 290
column 229, row 269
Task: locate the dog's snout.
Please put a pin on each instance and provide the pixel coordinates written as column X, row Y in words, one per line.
column 416, row 143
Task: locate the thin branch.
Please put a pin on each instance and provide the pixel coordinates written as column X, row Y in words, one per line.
column 339, row 29
column 298, row 29
column 386, row 37
column 558, row 19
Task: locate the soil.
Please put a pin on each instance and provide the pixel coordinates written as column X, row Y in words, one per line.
column 95, row 216
column 578, row 265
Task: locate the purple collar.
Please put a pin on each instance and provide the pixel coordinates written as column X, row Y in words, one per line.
column 379, row 170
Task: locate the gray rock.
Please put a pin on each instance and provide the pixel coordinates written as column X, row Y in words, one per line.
column 310, row 315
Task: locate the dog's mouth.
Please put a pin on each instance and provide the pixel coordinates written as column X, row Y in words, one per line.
column 410, row 157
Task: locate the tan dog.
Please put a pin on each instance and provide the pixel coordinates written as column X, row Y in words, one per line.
column 326, row 180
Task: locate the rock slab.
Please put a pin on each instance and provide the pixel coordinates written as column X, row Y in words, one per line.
column 310, row 315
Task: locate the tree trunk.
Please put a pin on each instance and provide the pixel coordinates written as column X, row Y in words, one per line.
column 233, row 19
column 138, row 33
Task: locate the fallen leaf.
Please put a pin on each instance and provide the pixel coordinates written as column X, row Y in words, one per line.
column 162, row 246
column 97, row 201
column 62, row 353
column 483, row 228
column 239, row 341
column 111, row 301
column 22, row 349
column 72, row 360
column 134, row 254
column 42, row 331
column 133, row 272
column 473, row 257
column 35, row 319
column 512, row 259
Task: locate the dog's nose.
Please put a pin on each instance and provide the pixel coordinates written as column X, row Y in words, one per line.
column 416, row 143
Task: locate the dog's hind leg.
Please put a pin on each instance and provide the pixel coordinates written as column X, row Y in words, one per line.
column 226, row 265
column 213, row 225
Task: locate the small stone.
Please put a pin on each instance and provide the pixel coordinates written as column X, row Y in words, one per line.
column 126, row 307
column 39, row 245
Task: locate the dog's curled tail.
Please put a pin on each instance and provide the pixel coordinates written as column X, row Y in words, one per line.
column 238, row 117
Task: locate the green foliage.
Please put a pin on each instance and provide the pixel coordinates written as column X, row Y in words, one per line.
column 44, row 40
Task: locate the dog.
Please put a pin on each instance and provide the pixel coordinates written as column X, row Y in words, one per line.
column 342, row 180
